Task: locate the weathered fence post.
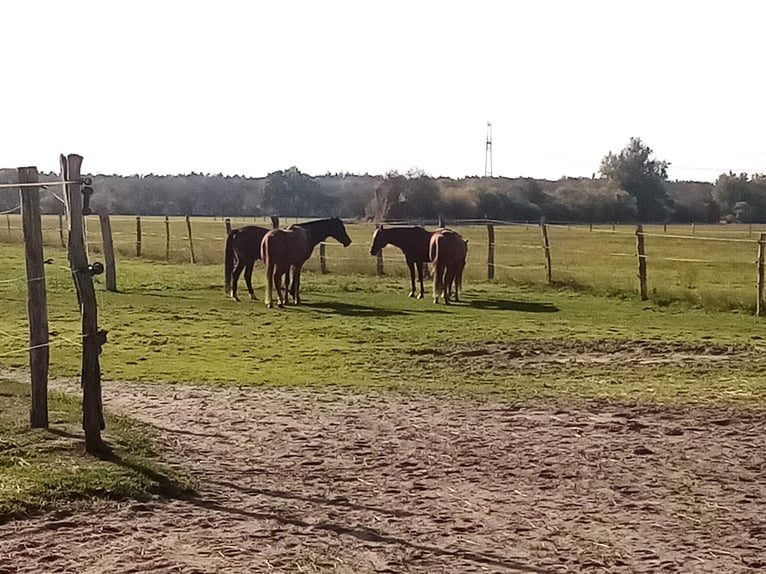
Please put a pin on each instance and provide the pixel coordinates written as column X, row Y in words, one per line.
column 8, row 221
column 761, row 248
column 138, row 236
column 322, row 258
column 490, row 251
column 641, row 261
column 61, row 231
column 106, row 238
column 37, row 305
column 191, row 241
column 440, row 222
column 227, row 222
column 547, row 250
column 92, row 338
column 275, row 221
column 167, row 238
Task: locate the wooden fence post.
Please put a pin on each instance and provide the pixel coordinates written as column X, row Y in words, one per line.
column 92, row 337
column 547, row 250
column 8, row 221
column 641, row 261
column 440, row 222
column 61, row 231
column 761, row 248
column 191, row 242
column 490, row 251
column 167, row 238
column 138, row 236
column 227, row 222
column 322, row 258
column 37, row 305
column 275, row 221
column 106, row 238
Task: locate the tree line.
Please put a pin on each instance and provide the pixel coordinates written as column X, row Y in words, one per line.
column 631, row 186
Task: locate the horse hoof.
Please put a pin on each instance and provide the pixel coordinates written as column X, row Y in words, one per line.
column 411, row 294
column 420, row 296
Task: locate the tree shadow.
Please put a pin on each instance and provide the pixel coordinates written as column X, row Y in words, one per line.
column 341, row 502
column 523, row 306
column 367, row 534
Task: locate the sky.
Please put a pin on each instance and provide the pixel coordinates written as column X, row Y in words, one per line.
column 251, row 87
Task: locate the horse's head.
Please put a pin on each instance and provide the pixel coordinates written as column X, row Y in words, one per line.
column 378, row 241
column 338, row 232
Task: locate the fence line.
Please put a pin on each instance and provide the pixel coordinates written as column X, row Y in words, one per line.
column 556, row 249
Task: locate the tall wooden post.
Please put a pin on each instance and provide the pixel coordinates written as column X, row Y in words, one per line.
column 227, row 222
column 37, row 305
column 761, row 249
column 322, row 258
column 275, row 221
column 92, row 338
column 167, row 238
column 490, row 251
column 61, row 231
column 641, row 251
column 191, row 241
column 8, row 223
column 547, row 250
column 138, row 236
column 106, row 237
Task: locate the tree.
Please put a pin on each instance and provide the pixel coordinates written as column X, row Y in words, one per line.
column 635, row 172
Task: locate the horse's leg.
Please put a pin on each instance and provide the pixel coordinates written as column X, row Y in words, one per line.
column 438, row 272
column 449, row 278
column 269, row 284
column 297, row 283
column 249, row 279
column 278, row 280
column 420, row 280
column 411, row 265
column 235, row 278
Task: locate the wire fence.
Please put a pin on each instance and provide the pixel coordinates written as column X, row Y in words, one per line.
column 707, row 265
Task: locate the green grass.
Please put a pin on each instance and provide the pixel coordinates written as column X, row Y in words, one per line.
column 173, row 322
column 42, row 469
column 705, row 266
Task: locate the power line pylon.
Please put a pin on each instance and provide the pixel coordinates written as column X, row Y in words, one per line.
column 488, row 152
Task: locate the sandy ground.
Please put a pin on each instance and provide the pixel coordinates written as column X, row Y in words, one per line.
column 328, row 481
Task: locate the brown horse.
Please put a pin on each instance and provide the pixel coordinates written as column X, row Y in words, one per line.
column 243, row 246
column 448, row 251
column 413, row 241
column 286, row 249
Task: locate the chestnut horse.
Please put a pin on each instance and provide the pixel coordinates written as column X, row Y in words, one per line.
column 243, row 245
column 285, row 249
column 413, row 241
column 448, row 251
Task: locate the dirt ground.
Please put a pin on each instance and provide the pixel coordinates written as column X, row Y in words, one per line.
column 329, row 481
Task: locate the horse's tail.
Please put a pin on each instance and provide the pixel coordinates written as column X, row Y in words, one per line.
column 228, row 265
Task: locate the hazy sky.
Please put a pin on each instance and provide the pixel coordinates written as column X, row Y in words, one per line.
column 249, row 87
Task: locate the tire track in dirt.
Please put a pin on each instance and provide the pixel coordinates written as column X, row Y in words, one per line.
column 329, row 481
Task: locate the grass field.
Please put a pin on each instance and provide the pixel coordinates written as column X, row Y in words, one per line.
column 706, row 266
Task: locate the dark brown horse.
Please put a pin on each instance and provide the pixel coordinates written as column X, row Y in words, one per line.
column 413, row 241
column 286, row 249
column 243, row 246
column 448, row 251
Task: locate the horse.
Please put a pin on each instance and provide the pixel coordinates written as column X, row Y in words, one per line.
column 413, row 241
column 447, row 252
column 243, row 245
column 286, row 249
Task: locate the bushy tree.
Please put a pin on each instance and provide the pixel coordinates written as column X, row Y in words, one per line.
column 642, row 177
